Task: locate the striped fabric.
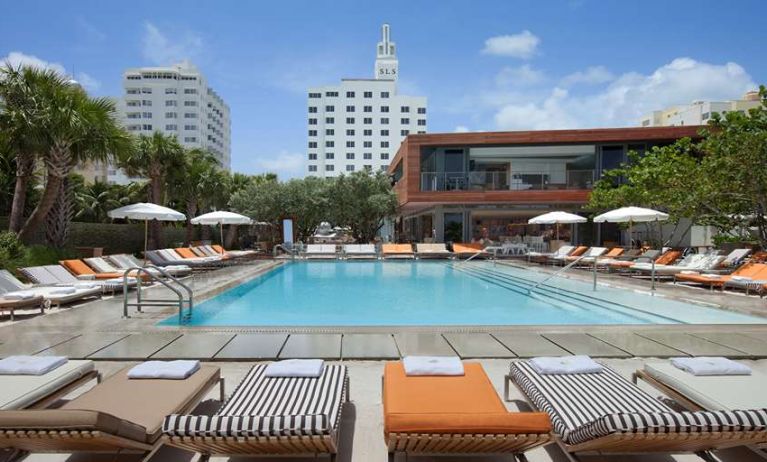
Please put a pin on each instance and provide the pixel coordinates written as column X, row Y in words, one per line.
column 583, row 407
column 266, row 406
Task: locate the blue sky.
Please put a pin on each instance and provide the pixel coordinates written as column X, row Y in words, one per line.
column 491, row 65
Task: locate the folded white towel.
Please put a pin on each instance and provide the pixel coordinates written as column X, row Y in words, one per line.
column 432, row 365
column 63, row 291
column 19, row 296
column 175, row 370
column 711, row 276
column 740, row 278
column 689, row 272
column 578, row 364
column 84, row 285
column 295, row 368
column 30, row 365
column 711, row 365
column 86, row 277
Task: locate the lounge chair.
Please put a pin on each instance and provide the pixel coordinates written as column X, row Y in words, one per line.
column 83, row 271
column 589, row 256
column 658, row 256
column 563, row 259
column 126, row 262
column 692, row 262
column 360, row 251
column 9, row 303
column 470, row 249
column 320, row 251
column 119, row 414
column 735, row 258
column 233, row 253
column 40, row 391
column 57, row 275
column 397, row 251
column 625, row 256
column 268, row 415
column 746, row 273
column 56, row 295
column 604, row 413
column 167, row 257
column 458, row 415
column 561, row 252
column 187, row 254
column 432, row 251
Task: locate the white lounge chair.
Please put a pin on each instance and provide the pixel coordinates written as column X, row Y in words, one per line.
column 39, row 391
column 125, row 262
column 360, row 251
column 694, row 262
column 58, row 276
column 57, row 295
column 432, row 251
column 320, row 251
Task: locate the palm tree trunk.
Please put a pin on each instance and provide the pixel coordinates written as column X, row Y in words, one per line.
column 24, row 166
column 60, row 216
column 155, row 228
column 191, row 211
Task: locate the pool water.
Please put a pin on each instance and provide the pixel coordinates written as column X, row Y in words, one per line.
column 416, row 293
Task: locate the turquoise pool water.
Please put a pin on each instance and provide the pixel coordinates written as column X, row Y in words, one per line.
column 434, row 293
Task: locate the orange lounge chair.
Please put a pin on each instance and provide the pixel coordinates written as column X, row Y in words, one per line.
column 81, row 270
column 667, row 258
column 454, row 415
column 186, row 252
column 469, row 249
column 754, row 271
column 614, row 252
column 397, row 251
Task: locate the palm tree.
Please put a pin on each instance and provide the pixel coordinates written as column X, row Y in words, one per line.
column 73, row 128
column 154, row 157
column 195, row 183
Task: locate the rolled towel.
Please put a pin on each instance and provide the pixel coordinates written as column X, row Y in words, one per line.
column 19, row 296
column 689, row 272
column 64, row 291
column 711, row 365
column 30, row 365
column 174, row 370
column 740, row 278
column 578, row 364
column 433, row 365
column 86, row 277
column 84, row 285
column 295, row 368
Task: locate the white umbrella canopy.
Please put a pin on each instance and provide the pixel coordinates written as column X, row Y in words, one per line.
column 146, row 211
column 555, row 218
column 221, row 218
column 631, row 215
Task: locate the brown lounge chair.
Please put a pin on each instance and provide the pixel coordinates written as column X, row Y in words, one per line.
column 118, row 415
column 80, row 269
column 454, row 415
column 390, row 251
column 468, row 250
column 9, row 305
column 754, row 271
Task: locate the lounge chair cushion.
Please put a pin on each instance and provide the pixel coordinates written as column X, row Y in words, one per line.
column 186, row 253
column 405, row 249
column 585, row 407
column 451, row 404
column 715, row 393
column 18, row 303
column 62, row 420
column 272, row 406
column 21, row 391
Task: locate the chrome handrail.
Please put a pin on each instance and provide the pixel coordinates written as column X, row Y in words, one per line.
column 479, row 252
column 137, row 271
column 290, row 252
column 652, row 271
column 562, row 270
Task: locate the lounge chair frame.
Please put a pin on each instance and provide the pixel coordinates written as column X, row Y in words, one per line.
column 231, row 446
column 10, row 306
column 618, row 444
column 47, row 400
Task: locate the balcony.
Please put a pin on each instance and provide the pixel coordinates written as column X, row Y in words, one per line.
column 503, row 181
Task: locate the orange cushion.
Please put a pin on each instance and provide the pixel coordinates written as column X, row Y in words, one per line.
column 467, row 248
column 218, row 248
column 185, row 252
column 615, row 252
column 451, row 404
column 78, row 267
column 669, row 257
column 397, row 248
column 580, row 250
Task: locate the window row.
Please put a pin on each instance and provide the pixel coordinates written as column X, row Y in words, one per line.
column 367, row 121
column 350, row 156
column 349, row 94
column 352, row 132
column 349, row 168
column 349, row 144
column 332, row 108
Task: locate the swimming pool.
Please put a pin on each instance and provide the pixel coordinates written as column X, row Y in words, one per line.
column 417, row 293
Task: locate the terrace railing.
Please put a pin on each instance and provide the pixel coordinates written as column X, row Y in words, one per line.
column 486, row 180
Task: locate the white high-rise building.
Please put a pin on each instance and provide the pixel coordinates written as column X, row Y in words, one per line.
column 699, row 112
column 361, row 122
column 175, row 100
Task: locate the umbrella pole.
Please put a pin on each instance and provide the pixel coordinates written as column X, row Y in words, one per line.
column 631, row 241
column 222, row 236
column 146, row 237
column 557, row 225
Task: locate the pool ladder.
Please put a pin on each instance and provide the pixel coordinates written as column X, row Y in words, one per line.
column 184, row 296
column 562, row 270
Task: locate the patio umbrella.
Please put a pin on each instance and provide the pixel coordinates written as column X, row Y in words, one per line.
column 222, row 218
column 146, row 211
column 631, row 215
column 555, row 218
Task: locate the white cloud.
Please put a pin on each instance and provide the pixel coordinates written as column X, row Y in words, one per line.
column 590, row 76
column 519, row 76
column 17, row 58
column 88, row 82
column 522, row 45
column 161, row 50
column 284, row 164
column 461, row 129
column 622, row 101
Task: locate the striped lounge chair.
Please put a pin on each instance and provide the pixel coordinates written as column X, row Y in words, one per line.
column 605, row 413
column 265, row 415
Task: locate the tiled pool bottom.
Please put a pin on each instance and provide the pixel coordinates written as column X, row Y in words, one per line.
column 435, row 293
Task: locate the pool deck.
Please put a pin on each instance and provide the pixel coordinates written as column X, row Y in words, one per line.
column 96, row 330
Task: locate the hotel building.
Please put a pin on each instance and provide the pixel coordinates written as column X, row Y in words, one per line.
column 360, row 123
column 467, row 186
column 699, row 112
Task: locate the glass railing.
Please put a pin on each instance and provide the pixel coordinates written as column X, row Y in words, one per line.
column 503, row 181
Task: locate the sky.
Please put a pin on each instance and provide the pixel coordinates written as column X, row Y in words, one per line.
column 490, row 65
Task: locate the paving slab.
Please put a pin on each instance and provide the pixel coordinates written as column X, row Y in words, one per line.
column 637, row 345
column 529, row 345
column 84, row 345
column 195, row 346
column 583, row 344
column 477, row 345
column 324, row 346
column 737, row 341
column 410, row 343
column 31, row 343
column 253, row 346
column 136, row 346
column 369, row 346
column 693, row 346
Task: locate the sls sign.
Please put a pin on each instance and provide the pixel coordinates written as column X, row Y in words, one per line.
column 386, row 71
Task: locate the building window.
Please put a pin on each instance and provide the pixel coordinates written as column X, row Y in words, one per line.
column 367, row 144
column 367, row 109
column 171, row 115
column 329, row 155
column 190, row 127
column 384, row 94
column 312, row 121
column 312, row 156
column 350, row 120
column 146, row 91
column 384, row 156
column 312, row 168
column 384, row 121
column 190, row 115
column 404, row 109
column 312, row 132
column 404, row 132
column 190, row 103
column 350, row 144
column 330, row 144
column 190, row 91
column 350, row 168
column 171, row 102
column 132, row 91
column 330, row 120
column 349, row 108
column 422, row 110
column 384, row 132
column 367, row 132
column 350, row 94
column 331, row 94
column 146, row 115
column 171, row 127
column 405, row 121
column 190, row 139
column 367, row 156
column 368, row 94
column 146, row 127
column 349, row 132
column 330, row 132
column 315, row 95
column 384, row 108
column 134, row 103
column 330, row 108
column 350, row 156
column 367, row 120
column 312, row 109
column 312, row 144
column 329, row 168
column 421, row 132
column 368, row 167
column 384, row 144
column 146, row 102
